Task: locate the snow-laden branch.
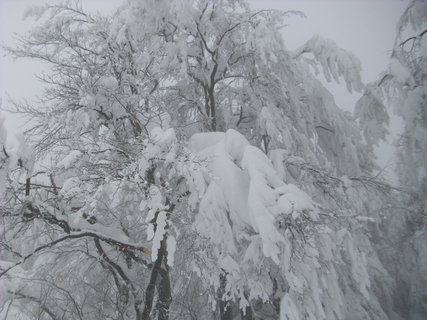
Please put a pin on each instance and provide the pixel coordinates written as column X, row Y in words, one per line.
column 335, row 62
column 78, row 235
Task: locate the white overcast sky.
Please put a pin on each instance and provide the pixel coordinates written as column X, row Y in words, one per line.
column 365, row 27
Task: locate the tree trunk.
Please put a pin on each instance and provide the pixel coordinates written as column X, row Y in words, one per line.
column 212, row 109
column 164, row 294
column 225, row 309
column 149, row 293
column 247, row 315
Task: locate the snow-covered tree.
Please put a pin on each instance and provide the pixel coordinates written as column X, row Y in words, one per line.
column 406, row 83
column 188, row 165
column 404, row 87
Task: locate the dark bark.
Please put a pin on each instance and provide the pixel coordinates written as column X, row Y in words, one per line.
column 213, row 110
column 74, row 236
column 247, row 315
column 115, row 268
column 225, row 308
column 27, row 187
column 149, row 293
column 164, row 293
column 212, row 92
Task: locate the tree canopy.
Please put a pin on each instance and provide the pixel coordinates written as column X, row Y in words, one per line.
column 182, row 163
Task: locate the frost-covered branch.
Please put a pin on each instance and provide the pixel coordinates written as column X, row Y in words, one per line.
column 78, row 235
column 335, row 62
column 42, row 304
column 417, row 37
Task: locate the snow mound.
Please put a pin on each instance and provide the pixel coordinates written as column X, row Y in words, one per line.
column 244, row 192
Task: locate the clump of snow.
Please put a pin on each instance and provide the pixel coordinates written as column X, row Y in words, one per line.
column 70, row 160
column 277, row 158
column 200, row 141
column 235, row 145
column 212, row 219
column 159, row 145
column 70, row 187
column 171, row 247
column 77, row 222
column 108, row 82
column 244, row 191
column 261, row 198
column 161, row 138
column 229, row 265
column 158, row 236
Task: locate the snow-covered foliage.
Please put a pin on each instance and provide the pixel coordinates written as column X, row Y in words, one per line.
column 260, row 227
column 188, row 166
column 372, row 115
column 334, row 61
column 404, row 86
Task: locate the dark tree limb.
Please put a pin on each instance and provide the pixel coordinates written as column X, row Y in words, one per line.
column 164, row 293
column 247, row 314
column 413, row 38
column 149, row 293
column 77, row 236
column 225, row 309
